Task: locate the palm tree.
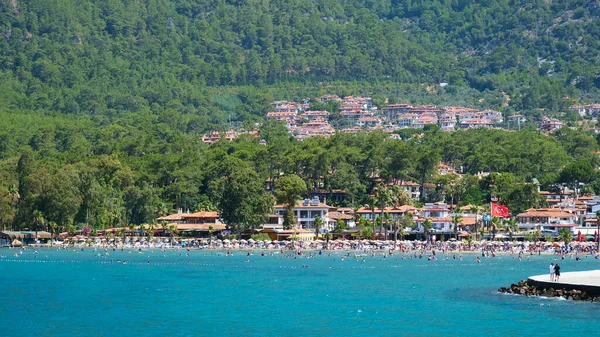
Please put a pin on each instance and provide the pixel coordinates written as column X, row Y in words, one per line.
column 388, row 222
column 406, row 221
column 427, row 225
column 53, row 229
column 565, row 235
column 511, row 226
column 384, row 199
column 211, row 230
column 318, row 223
column 143, row 230
column 121, row 233
column 496, row 223
column 456, row 221
column 327, row 237
column 151, row 228
column 108, row 235
column 402, row 233
column 371, row 202
column 13, row 191
column 367, row 232
column 38, row 218
column 537, row 235
column 172, row 231
column 163, row 226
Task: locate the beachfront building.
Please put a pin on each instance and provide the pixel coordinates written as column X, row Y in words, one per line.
column 546, row 220
column 336, row 215
column 306, row 211
column 435, row 210
column 440, row 226
column 23, row 238
column 193, row 222
column 395, row 212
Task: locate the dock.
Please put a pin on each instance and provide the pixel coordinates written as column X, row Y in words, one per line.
column 587, row 281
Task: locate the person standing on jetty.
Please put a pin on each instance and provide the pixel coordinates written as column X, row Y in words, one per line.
column 556, row 272
column 552, row 271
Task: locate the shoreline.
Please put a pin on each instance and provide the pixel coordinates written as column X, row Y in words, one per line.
column 429, row 251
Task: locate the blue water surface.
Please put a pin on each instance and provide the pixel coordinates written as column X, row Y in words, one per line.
column 205, row 293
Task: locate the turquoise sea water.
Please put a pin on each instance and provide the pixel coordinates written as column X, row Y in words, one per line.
column 78, row 293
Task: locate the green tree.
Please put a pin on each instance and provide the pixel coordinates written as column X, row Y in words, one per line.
column 427, row 163
column 565, row 235
column 405, row 222
column 318, row 223
column 427, row 226
column 38, row 220
column 383, row 200
column 288, row 190
column 579, row 171
column 457, row 221
column 511, row 226
column 242, row 188
column 496, row 224
column 172, row 232
column 211, row 230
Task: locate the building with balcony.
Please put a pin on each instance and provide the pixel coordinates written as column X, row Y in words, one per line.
column 546, row 220
column 306, row 211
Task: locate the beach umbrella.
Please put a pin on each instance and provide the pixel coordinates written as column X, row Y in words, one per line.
column 595, row 236
column 579, row 236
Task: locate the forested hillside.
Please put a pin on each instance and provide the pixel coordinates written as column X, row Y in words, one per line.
column 102, row 102
column 108, row 57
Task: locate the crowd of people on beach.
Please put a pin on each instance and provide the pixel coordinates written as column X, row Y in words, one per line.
column 493, row 247
column 407, row 249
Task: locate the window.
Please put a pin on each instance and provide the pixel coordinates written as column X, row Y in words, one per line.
column 314, row 214
column 304, row 214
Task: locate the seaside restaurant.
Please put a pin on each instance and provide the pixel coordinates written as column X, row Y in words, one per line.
column 13, row 238
column 195, row 224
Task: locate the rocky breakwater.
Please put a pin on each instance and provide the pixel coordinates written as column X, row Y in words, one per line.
column 528, row 289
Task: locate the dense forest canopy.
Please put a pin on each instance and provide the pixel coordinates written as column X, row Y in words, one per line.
column 111, row 57
column 103, row 102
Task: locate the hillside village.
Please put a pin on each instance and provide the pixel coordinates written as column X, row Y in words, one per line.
column 358, row 114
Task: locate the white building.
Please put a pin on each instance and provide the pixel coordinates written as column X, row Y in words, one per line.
column 305, row 213
column 546, row 220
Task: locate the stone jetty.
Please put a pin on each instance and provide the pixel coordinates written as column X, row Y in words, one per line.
column 577, row 286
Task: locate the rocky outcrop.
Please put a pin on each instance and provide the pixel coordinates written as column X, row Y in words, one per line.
column 528, row 289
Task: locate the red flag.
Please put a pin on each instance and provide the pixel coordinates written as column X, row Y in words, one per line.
column 500, row 210
column 595, row 236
